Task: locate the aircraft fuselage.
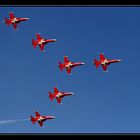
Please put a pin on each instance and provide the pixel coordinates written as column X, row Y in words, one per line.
column 17, row 20
column 69, row 65
column 59, row 95
column 41, row 118
column 107, row 61
column 42, row 41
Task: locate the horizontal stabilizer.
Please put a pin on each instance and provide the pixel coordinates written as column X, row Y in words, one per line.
column 34, row 43
column 51, row 96
column 61, row 66
column 33, row 119
column 96, row 63
column 7, row 21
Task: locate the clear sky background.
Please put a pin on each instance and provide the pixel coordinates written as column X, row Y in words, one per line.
column 104, row 102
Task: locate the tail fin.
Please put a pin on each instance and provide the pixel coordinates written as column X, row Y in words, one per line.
column 7, row 21
column 34, row 43
column 33, row 119
column 51, row 96
column 61, row 66
column 96, row 63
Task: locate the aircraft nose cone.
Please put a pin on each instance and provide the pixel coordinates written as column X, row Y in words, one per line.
column 26, row 18
column 82, row 63
column 71, row 93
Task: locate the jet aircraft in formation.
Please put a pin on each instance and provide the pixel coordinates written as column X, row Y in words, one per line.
column 41, row 42
column 14, row 20
column 58, row 95
column 68, row 64
column 40, row 119
column 104, row 62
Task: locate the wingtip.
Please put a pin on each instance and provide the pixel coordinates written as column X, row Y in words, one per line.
column 42, row 51
column 16, row 29
column 37, row 33
column 36, row 111
column 11, row 12
column 65, row 56
column 55, row 86
column 105, row 71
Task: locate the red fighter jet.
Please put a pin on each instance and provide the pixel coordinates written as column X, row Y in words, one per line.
column 68, row 65
column 104, row 62
column 41, row 42
column 40, row 119
column 58, row 95
column 14, row 20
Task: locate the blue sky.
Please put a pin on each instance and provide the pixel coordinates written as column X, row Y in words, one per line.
column 103, row 102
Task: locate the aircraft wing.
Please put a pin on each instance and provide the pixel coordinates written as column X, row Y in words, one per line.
column 38, row 37
column 37, row 114
column 15, row 26
column 40, row 123
column 104, row 67
column 56, row 90
column 11, row 15
column 102, row 57
column 58, row 100
column 68, row 70
column 66, row 60
column 41, row 47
